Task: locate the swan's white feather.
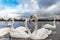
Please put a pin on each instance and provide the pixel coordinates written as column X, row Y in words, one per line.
column 19, row 34
column 22, row 28
column 4, row 31
column 40, row 34
column 49, row 26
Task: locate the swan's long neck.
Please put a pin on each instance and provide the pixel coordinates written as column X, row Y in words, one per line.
column 26, row 21
column 54, row 23
column 36, row 23
column 12, row 28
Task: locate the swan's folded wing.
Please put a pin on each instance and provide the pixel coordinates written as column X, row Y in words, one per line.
column 19, row 34
column 48, row 26
column 50, row 32
column 21, row 28
column 43, row 33
column 4, row 31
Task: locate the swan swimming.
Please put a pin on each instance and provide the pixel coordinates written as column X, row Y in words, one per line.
column 18, row 33
column 51, row 26
column 4, row 31
column 43, row 33
column 18, row 28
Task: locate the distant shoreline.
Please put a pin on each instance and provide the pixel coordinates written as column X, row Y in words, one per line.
column 40, row 19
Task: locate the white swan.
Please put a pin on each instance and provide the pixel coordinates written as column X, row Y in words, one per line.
column 4, row 31
column 40, row 33
column 51, row 26
column 18, row 28
column 18, row 33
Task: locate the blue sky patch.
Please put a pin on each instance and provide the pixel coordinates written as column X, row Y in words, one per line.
column 9, row 2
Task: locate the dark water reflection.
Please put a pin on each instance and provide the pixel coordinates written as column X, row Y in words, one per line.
column 54, row 36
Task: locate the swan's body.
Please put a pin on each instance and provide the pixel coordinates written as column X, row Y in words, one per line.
column 4, row 31
column 50, row 26
column 18, row 28
column 19, row 32
column 40, row 33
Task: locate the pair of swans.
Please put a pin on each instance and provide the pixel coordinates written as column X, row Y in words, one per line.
column 17, row 32
column 42, row 33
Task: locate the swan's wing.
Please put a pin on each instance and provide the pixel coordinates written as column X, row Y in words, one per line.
column 21, row 28
column 50, row 32
column 43, row 33
column 40, row 34
column 4, row 31
column 19, row 34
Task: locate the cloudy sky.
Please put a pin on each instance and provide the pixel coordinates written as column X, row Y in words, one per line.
column 27, row 7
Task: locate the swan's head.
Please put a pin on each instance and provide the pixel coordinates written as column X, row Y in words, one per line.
column 10, row 19
column 10, row 22
column 30, row 19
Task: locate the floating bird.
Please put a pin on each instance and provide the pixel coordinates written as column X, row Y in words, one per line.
column 42, row 33
column 18, row 32
column 4, row 31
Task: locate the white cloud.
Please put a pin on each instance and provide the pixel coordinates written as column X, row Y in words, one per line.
column 54, row 8
column 29, row 7
column 22, row 8
column 13, row 15
column 33, row 7
column 8, row 13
